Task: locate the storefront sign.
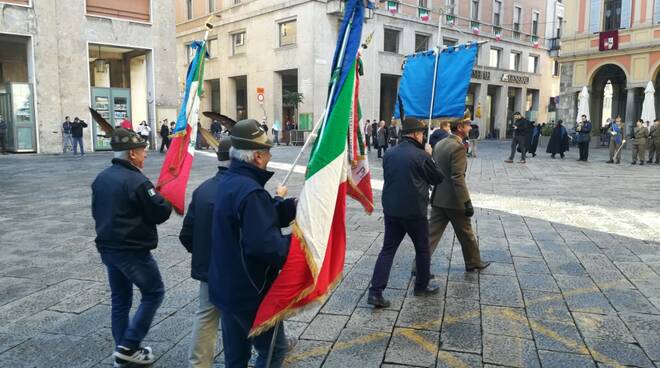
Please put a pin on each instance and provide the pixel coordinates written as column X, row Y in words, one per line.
column 481, row 74
column 518, row 79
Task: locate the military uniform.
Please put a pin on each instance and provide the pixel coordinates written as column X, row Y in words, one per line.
column 639, row 144
column 451, row 200
column 654, row 143
column 616, row 140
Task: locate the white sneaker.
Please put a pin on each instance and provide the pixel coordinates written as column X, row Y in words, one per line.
column 142, row 356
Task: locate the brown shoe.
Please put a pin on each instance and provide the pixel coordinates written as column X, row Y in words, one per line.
column 508, row 161
column 480, row 267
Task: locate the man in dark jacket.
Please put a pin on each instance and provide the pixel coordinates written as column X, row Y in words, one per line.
column 248, row 248
column 408, row 171
column 164, row 136
column 127, row 208
column 77, row 135
column 440, row 133
column 67, row 140
column 195, row 236
column 522, row 129
column 583, row 131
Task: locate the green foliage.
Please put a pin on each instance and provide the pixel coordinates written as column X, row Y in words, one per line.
column 546, row 131
column 291, row 99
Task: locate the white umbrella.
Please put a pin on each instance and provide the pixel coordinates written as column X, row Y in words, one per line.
column 583, row 105
column 648, row 107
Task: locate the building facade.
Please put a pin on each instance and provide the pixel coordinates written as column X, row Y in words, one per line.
column 276, row 47
column 59, row 57
column 612, row 48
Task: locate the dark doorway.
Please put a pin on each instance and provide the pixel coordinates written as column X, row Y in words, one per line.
column 617, row 80
column 241, row 97
column 289, row 85
column 215, row 95
column 389, row 85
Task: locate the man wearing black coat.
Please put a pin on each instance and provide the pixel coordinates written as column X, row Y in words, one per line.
column 77, row 136
column 522, row 130
column 164, row 136
column 126, row 209
column 408, row 170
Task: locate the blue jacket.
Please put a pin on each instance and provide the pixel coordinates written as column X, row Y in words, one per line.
column 437, row 136
column 126, row 208
column 247, row 246
column 195, row 234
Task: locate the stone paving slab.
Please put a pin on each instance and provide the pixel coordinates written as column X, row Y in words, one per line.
column 574, row 283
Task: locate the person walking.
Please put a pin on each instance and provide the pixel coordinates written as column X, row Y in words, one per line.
column 126, row 209
column 77, row 136
column 615, row 131
column 144, row 130
column 195, row 236
column 367, row 135
column 248, row 248
column 164, row 136
column 521, row 133
column 381, row 136
column 558, row 143
column 640, row 136
column 450, row 200
column 583, row 131
column 276, row 132
column 654, row 142
column 408, row 170
column 440, row 133
column 216, row 129
column 3, row 136
column 374, row 134
column 534, row 138
column 393, row 133
column 474, row 139
column 67, row 140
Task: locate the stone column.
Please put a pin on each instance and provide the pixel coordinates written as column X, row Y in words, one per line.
column 630, row 111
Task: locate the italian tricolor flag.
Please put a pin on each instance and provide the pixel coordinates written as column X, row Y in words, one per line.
column 318, row 242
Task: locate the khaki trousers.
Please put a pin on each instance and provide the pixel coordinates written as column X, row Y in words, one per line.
column 462, row 225
column 639, row 152
column 613, row 148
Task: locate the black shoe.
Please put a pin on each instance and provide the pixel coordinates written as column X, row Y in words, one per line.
column 414, row 274
column 480, row 267
column 609, row 162
column 641, row 163
column 142, row 356
column 562, row 157
column 533, row 154
column 427, row 291
column 378, row 301
column 552, row 156
column 649, row 162
column 634, row 163
column 618, row 162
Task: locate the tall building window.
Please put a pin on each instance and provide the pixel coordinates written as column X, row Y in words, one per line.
column 211, row 6
column 190, row 53
column 474, row 13
column 612, row 15
column 212, row 47
column 560, row 22
column 535, row 23
column 449, row 42
column 391, row 40
column 495, row 55
column 189, row 9
column 423, row 4
column 533, row 64
column 238, row 43
column 514, row 61
column 555, row 68
column 497, row 13
column 421, row 42
column 288, row 32
column 450, row 5
column 517, row 16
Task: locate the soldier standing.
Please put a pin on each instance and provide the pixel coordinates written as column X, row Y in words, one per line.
column 126, row 209
column 408, row 170
column 450, row 201
column 654, row 142
column 640, row 135
column 615, row 132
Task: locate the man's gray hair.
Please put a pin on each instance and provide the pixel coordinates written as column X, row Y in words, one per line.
column 243, row 155
column 122, row 155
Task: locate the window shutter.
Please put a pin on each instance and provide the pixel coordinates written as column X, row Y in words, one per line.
column 626, row 7
column 594, row 16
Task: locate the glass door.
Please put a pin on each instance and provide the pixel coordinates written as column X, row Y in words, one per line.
column 114, row 104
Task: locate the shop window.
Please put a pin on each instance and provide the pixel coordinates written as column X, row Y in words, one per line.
column 514, row 61
column 495, row 55
column 421, row 42
column 288, row 33
column 238, row 43
column 137, row 10
column 533, row 64
column 517, row 17
column 497, row 13
column 612, row 15
column 391, row 40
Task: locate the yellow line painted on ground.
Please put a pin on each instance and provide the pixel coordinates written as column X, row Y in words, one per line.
column 340, row 345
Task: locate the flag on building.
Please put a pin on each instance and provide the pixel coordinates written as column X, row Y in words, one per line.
column 498, row 35
column 475, row 30
column 359, row 181
column 392, row 6
column 318, row 243
column 423, row 14
column 535, row 42
column 450, row 19
column 174, row 174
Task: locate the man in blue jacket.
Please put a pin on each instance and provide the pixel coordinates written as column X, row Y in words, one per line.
column 127, row 208
column 248, row 248
column 583, row 130
column 409, row 171
column 195, row 236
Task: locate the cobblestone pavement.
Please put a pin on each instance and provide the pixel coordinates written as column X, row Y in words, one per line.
column 575, row 280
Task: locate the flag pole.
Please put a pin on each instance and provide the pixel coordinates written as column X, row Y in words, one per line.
column 438, row 50
column 324, row 116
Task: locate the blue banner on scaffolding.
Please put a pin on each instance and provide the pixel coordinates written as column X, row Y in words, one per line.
column 452, row 81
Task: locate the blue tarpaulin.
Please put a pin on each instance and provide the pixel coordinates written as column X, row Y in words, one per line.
column 452, row 82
